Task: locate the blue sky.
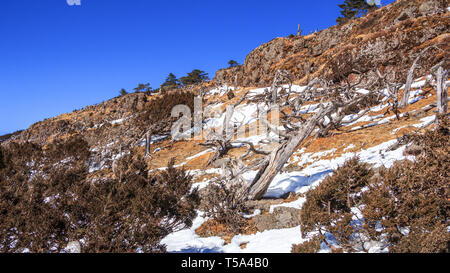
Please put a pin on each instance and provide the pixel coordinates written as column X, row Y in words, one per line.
column 55, row 58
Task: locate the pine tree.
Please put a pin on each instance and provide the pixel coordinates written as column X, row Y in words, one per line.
column 123, row 92
column 351, row 9
column 233, row 63
column 143, row 88
column 194, row 77
column 171, row 82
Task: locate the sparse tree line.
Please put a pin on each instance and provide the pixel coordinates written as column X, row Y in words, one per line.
column 349, row 10
column 171, row 82
column 196, row 76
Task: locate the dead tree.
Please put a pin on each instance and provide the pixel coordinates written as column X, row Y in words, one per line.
column 296, row 130
column 299, row 31
column 441, row 89
column 272, row 95
column 221, row 141
column 278, row 158
column 392, row 90
column 410, row 77
column 148, row 139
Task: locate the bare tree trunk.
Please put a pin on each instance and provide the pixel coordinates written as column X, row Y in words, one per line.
column 410, row 78
column 148, row 138
column 299, row 31
column 276, row 160
column 274, row 88
column 442, row 96
column 409, row 81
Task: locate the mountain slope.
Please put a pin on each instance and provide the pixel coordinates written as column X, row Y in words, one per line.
column 387, row 39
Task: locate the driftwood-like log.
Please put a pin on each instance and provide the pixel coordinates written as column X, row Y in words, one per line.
column 148, row 141
column 276, row 160
column 410, row 77
column 441, row 89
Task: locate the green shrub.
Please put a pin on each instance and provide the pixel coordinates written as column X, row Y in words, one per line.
column 328, row 207
column 410, row 199
column 222, row 204
column 158, row 111
column 46, row 201
column 310, row 246
column 404, row 207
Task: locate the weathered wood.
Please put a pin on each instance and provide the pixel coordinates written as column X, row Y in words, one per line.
column 221, row 141
column 441, row 89
column 148, row 139
column 410, row 78
column 299, row 31
column 276, row 160
column 274, row 88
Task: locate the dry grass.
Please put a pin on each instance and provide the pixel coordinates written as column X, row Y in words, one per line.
column 213, row 228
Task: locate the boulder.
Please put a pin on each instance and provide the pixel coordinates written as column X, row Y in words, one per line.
column 282, row 217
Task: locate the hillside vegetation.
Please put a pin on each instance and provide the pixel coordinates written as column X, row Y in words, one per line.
column 358, row 161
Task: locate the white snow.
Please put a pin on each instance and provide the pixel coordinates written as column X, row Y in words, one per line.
column 269, row 241
column 315, row 170
column 221, row 90
column 117, row 121
column 199, row 154
column 313, row 174
column 293, row 182
column 297, row 204
column 349, row 147
column 425, row 121
column 256, row 212
column 363, row 91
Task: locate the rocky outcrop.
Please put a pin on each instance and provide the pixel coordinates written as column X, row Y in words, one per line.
column 386, row 38
column 282, row 217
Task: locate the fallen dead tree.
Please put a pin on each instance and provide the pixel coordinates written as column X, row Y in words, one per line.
column 296, row 129
column 331, row 113
column 291, row 140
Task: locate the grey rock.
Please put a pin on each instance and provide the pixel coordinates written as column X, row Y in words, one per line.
column 282, row 217
column 430, row 7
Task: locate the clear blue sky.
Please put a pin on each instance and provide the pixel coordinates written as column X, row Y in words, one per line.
column 55, row 58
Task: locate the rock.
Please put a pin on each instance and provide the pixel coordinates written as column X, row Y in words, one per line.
column 430, row 7
column 386, row 37
column 413, row 149
column 73, row 247
column 282, row 217
column 406, row 14
column 219, row 163
column 264, row 222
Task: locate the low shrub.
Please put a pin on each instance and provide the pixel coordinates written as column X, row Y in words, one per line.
column 410, row 199
column 310, row 246
column 403, row 208
column 328, row 208
column 47, row 201
column 158, row 111
column 222, row 204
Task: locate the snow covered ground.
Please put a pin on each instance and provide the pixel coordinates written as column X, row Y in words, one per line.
column 270, row 241
column 314, row 171
column 279, row 240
